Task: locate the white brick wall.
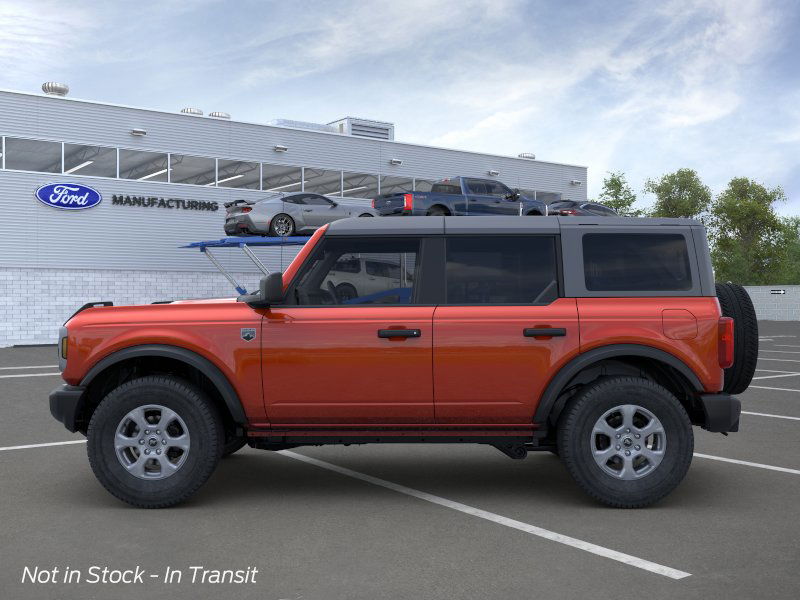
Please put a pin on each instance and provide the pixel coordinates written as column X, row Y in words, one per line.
column 776, row 307
column 34, row 303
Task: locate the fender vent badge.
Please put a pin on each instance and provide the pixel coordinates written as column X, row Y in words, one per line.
column 248, row 334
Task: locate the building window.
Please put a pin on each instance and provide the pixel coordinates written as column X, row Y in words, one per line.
column 33, row 155
column 238, row 174
column 423, row 185
column 144, row 166
column 194, row 170
column 321, row 181
column 97, row 161
column 280, row 178
column 396, row 185
column 359, row 185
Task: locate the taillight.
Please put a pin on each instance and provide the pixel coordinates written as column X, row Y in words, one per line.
column 725, row 342
column 246, row 209
column 373, row 203
column 408, row 202
column 568, row 211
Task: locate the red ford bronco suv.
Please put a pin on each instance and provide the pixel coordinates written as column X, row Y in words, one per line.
column 600, row 339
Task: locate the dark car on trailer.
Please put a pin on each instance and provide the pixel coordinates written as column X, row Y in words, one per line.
column 574, row 208
column 460, row 196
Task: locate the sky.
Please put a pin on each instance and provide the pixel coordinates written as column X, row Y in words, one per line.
column 639, row 87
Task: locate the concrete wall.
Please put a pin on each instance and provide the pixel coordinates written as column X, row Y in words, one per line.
column 776, row 307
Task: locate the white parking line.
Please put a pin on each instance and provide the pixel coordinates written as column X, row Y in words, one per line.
column 28, row 375
column 787, row 346
column 775, row 376
column 490, row 516
column 781, row 351
column 763, row 387
column 748, row 464
column 779, row 359
column 33, row 367
column 25, row 447
column 744, row 412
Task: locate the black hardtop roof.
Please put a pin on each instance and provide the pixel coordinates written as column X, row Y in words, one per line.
column 492, row 225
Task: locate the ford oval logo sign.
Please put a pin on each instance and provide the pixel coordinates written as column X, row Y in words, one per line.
column 68, row 196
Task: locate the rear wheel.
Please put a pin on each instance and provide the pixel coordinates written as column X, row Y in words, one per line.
column 626, row 441
column 282, row 225
column 735, row 302
column 153, row 441
column 437, row 211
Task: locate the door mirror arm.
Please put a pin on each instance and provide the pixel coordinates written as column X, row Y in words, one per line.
column 270, row 291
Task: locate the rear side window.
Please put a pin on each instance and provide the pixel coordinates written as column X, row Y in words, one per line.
column 446, row 188
column 636, row 262
column 501, row 270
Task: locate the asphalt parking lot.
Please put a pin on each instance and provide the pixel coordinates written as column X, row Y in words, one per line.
column 404, row 521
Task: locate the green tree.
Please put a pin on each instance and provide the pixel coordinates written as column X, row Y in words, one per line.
column 679, row 194
column 751, row 242
column 617, row 194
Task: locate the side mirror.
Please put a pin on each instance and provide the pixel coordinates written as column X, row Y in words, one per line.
column 334, row 204
column 270, row 291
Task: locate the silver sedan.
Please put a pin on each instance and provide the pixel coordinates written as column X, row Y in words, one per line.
column 288, row 214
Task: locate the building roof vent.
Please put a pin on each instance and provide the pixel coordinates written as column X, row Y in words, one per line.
column 527, row 155
column 219, row 115
column 192, row 111
column 376, row 130
column 51, row 88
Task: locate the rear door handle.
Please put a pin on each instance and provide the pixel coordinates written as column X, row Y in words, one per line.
column 399, row 333
column 544, row 332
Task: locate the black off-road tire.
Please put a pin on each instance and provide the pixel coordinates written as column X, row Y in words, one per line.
column 202, row 421
column 575, row 435
column 736, row 303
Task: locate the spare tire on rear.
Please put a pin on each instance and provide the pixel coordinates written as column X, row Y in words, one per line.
column 735, row 303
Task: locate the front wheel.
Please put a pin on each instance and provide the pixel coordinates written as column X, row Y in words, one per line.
column 153, row 441
column 626, row 441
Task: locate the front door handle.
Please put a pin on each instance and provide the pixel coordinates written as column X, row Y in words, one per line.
column 399, row 333
column 544, row 332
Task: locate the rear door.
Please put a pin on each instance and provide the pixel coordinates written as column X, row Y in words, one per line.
column 347, row 349
column 503, row 329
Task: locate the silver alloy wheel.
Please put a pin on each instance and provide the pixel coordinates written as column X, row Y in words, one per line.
column 152, row 442
column 282, row 225
column 628, row 442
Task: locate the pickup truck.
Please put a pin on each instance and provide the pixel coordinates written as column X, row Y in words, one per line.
column 601, row 339
column 460, row 196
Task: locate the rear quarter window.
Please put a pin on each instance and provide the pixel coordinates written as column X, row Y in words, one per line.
column 636, row 262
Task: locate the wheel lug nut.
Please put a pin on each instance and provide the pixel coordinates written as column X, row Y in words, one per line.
column 158, row 451
column 637, row 436
column 164, row 442
column 617, row 436
column 158, row 432
column 638, row 447
column 146, row 431
column 628, row 430
column 141, row 441
column 627, row 452
column 147, row 451
column 618, row 446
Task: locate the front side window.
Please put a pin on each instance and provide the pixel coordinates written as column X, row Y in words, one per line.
column 335, row 276
column 33, row 155
column 476, row 186
column 501, row 270
column 316, row 200
column 495, row 188
column 634, row 262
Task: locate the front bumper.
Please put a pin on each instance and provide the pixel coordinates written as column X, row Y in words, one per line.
column 721, row 412
column 66, row 405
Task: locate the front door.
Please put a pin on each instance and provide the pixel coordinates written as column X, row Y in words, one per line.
column 489, row 198
column 347, row 349
column 319, row 210
column 502, row 331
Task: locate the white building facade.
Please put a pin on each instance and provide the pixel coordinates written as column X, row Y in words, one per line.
column 163, row 179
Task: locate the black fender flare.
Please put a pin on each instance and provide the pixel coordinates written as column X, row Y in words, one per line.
column 202, row 364
column 586, row 359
